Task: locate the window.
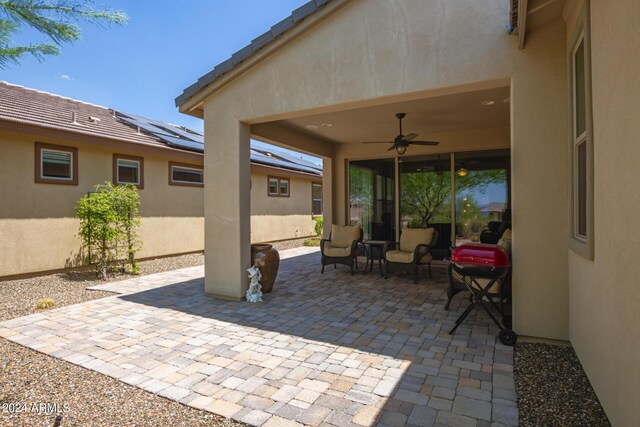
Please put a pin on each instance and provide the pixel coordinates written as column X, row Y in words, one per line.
column 56, row 164
column 128, row 170
column 278, row 187
column 188, row 175
column 316, row 199
column 581, row 141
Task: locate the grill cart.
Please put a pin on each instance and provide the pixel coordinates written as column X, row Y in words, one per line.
column 479, row 268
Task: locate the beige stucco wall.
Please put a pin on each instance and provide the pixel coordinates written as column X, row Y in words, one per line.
column 37, row 225
column 382, row 51
column 38, row 229
column 604, row 293
column 274, row 217
column 539, row 162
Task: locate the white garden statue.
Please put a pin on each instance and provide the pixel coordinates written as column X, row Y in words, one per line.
column 254, row 293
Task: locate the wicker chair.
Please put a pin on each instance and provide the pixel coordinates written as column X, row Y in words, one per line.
column 342, row 246
column 414, row 250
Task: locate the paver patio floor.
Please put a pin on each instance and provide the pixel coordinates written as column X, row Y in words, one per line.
column 330, row 349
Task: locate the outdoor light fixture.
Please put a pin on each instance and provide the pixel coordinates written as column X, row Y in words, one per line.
column 462, row 172
column 401, row 149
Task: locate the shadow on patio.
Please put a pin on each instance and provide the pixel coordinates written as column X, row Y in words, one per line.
column 390, row 323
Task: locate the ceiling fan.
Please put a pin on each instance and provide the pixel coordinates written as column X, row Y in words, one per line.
column 402, row 142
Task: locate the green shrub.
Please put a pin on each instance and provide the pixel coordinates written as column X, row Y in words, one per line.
column 45, row 303
column 319, row 223
column 109, row 218
column 314, row 241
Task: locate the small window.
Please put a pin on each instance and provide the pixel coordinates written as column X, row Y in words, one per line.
column 316, row 199
column 284, row 187
column 183, row 174
column 56, row 164
column 278, row 187
column 128, row 170
column 581, row 139
column 273, row 186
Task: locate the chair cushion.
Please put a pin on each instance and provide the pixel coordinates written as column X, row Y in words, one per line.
column 412, row 237
column 343, row 235
column 399, row 256
column 505, row 241
column 495, row 289
column 332, row 251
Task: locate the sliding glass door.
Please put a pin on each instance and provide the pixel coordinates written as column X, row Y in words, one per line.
column 482, row 195
column 372, row 198
column 425, row 196
column 465, row 196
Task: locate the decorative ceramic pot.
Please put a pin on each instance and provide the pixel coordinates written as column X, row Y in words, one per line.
column 267, row 258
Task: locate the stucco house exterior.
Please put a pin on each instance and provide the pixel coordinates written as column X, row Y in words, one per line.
column 53, row 150
column 555, row 83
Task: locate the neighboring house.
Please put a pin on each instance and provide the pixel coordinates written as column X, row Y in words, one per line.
column 493, row 211
column 558, row 91
column 53, row 150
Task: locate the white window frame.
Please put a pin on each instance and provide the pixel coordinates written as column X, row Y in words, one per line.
column 313, row 184
column 279, row 180
column 57, row 178
column 175, row 167
column 137, row 183
column 579, row 243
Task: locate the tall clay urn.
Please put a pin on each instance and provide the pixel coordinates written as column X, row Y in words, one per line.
column 267, row 258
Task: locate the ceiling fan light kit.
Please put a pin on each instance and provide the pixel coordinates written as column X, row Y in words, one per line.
column 402, row 142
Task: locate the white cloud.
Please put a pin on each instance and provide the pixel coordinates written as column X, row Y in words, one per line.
column 64, row 76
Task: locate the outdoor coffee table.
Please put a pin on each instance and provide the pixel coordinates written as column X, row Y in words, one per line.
column 374, row 253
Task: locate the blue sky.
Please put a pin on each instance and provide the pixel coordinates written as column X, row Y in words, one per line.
column 142, row 66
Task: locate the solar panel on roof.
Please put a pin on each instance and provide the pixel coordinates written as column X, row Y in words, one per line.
column 165, row 132
column 184, row 143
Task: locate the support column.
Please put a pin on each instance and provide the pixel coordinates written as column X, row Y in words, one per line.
column 327, row 196
column 227, row 207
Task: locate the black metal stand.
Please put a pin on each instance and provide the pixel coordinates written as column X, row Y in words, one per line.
column 478, row 294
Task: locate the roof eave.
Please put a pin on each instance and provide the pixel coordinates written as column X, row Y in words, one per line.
column 191, row 100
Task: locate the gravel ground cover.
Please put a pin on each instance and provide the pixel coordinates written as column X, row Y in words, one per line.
column 34, row 379
column 19, row 297
column 289, row 244
column 553, row 389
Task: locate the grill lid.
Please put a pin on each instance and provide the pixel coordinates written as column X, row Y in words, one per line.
column 481, row 255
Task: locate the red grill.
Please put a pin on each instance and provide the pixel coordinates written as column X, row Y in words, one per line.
column 470, row 262
column 473, row 254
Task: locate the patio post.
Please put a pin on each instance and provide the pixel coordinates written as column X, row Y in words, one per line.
column 227, row 207
column 327, row 195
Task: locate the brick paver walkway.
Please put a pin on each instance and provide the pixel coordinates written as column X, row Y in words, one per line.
column 332, row 349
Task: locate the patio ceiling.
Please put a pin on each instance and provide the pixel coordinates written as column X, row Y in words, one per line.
column 427, row 116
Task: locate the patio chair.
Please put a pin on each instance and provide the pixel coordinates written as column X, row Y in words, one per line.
column 342, row 246
column 414, row 250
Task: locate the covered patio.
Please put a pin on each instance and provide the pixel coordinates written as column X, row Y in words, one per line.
column 330, row 349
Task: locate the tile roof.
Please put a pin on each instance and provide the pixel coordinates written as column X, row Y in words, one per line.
column 19, row 104
column 256, row 44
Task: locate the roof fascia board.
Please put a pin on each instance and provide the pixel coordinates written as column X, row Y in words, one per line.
column 192, row 105
column 258, row 167
column 522, row 22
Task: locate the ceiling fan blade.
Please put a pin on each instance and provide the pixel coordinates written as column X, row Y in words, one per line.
column 393, row 147
column 409, row 136
column 424, row 143
column 378, row 142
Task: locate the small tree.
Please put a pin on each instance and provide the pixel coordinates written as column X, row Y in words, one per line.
column 318, row 227
column 107, row 216
column 126, row 202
